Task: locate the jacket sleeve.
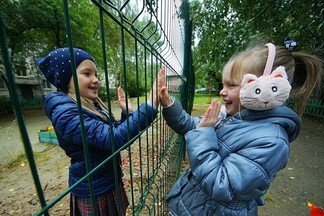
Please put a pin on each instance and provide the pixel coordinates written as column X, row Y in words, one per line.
column 242, row 175
column 98, row 133
column 124, row 115
column 178, row 119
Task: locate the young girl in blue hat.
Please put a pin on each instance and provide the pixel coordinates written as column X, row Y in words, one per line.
column 235, row 154
column 102, row 132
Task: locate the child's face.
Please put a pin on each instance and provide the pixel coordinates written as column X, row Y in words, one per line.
column 230, row 95
column 87, row 80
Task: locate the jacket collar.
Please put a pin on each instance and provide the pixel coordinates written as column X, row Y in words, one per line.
column 281, row 115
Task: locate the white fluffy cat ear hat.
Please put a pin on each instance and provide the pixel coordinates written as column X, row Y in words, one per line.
column 257, row 92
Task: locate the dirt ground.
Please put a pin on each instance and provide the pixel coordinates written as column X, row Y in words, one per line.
column 300, row 182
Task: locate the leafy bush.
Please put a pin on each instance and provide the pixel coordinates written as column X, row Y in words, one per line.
column 5, row 105
column 103, row 93
column 134, row 89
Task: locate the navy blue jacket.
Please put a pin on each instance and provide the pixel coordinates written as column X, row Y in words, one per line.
column 233, row 164
column 63, row 113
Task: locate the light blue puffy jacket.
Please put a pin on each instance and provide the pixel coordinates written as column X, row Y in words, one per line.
column 233, row 164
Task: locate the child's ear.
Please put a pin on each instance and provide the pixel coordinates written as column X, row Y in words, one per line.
column 248, row 78
column 279, row 72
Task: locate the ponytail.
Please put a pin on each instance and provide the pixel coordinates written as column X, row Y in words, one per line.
column 306, row 79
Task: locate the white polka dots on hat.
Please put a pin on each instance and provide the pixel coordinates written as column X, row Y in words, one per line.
column 56, row 66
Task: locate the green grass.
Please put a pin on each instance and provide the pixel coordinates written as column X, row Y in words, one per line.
column 205, row 99
column 199, row 100
column 16, row 161
column 141, row 100
column 22, row 159
column 202, row 102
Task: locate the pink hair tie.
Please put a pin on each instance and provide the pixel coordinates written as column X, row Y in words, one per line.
column 270, row 59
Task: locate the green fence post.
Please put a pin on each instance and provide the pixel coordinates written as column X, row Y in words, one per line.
column 15, row 101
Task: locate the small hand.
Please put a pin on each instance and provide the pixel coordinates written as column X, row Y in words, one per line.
column 156, row 88
column 122, row 100
column 211, row 115
column 164, row 94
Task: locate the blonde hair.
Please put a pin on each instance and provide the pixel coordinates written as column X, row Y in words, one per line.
column 89, row 105
column 304, row 71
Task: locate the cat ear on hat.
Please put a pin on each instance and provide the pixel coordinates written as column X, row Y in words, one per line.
column 248, row 78
column 279, row 72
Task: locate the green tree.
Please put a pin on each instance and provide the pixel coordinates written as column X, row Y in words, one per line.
column 227, row 27
column 29, row 25
column 35, row 27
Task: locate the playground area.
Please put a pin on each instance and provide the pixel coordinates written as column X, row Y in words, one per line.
column 129, row 42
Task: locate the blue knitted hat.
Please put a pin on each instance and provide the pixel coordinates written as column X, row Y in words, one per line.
column 56, row 66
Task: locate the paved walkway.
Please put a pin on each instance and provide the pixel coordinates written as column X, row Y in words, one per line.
column 302, row 180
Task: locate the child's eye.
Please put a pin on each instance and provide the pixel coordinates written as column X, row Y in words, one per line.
column 86, row 73
column 232, row 85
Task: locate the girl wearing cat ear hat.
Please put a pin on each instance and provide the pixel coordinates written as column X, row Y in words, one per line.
column 62, row 110
column 234, row 151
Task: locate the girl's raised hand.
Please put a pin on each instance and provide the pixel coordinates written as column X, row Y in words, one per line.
column 211, row 115
column 164, row 95
column 122, row 100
